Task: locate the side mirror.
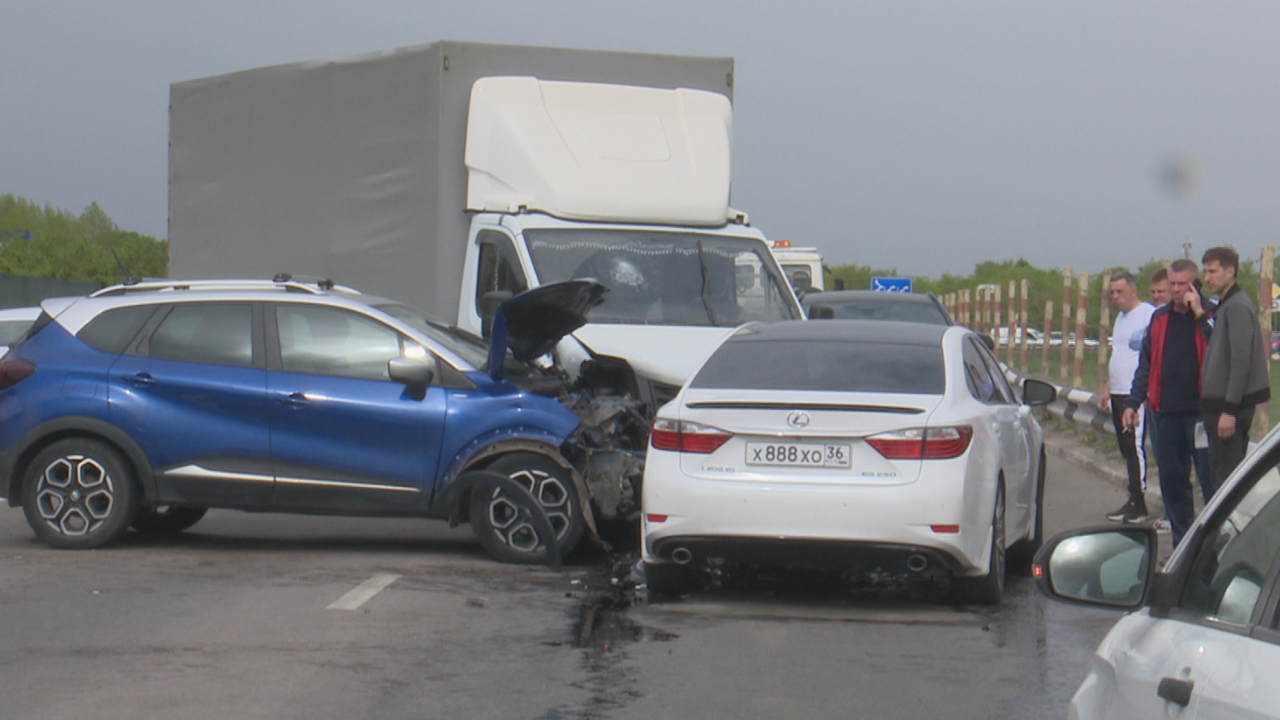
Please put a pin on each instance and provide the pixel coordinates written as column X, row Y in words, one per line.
column 489, row 303
column 416, row 374
column 1102, row 567
column 989, row 341
column 1038, row 392
column 822, row 312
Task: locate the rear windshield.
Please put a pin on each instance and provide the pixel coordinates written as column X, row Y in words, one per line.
column 838, row 366
column 872, row 310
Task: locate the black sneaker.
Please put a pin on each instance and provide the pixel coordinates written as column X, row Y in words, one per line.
column 1135, row 516
column 1118, row 514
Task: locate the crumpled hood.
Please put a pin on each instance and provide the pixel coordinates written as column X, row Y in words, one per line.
column 531, row 323
column 668, row 354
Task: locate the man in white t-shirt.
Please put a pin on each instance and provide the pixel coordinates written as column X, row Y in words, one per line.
column 1131, row 325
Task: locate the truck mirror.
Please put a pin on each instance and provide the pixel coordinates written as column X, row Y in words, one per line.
column 489, row 303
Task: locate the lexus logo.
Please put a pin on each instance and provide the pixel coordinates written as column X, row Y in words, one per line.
column 798, row 419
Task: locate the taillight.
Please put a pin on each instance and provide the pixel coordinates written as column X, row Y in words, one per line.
column 14, row 371
column 687, row 437
column 940, row 443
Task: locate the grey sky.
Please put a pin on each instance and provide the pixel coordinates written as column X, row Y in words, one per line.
column 925, row 136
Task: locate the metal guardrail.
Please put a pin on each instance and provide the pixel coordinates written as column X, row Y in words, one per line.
column 1080, row 406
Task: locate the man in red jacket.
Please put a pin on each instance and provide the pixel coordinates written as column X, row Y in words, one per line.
column 1168, row 378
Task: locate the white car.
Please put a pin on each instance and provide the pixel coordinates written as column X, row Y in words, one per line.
column 14, row 323
column 1204, row 641
column 850, row 445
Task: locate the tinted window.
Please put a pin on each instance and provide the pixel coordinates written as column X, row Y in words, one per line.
column 220, row 334
column 872, row 310
column 831, row 365
column 331, row 341
column 997, row 375
column 113, row 330
column 1230, row 567
column 977, row 376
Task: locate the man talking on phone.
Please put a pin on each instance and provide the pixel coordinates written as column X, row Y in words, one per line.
column 1168, row 379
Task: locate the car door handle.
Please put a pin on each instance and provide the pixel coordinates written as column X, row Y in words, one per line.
column 1175, row 690
column 293, row 398
column 142, row 378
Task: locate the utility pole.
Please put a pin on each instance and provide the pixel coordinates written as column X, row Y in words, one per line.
column 1186, row 248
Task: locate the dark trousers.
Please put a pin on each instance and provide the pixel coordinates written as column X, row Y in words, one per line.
column 1133, row 448
column 1176, row 453
column 1225, row 455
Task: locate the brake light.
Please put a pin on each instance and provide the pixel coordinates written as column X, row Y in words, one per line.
column 941, row 443
column 689, row 437
column 14, row 371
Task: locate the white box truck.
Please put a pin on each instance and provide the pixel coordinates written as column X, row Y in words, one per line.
column 452, row 175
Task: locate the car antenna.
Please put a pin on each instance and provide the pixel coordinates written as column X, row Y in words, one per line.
column 129, row 278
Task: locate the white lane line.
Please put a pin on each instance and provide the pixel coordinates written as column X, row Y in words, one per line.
column 363, row 592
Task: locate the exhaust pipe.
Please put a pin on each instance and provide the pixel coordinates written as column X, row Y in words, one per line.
column 681, row 556
column 917, row 563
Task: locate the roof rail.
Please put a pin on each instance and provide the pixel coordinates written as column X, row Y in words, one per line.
column 312, row 286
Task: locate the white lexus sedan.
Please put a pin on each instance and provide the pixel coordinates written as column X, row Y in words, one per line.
column 847, row 445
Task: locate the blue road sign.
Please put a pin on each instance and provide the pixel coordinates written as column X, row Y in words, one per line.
column 888, row 284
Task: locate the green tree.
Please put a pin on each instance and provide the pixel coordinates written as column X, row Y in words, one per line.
column 43, row 241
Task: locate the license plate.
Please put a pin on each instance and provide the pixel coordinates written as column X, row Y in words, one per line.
column 799, row 455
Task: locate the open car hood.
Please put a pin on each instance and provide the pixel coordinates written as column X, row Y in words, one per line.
column 531, row 323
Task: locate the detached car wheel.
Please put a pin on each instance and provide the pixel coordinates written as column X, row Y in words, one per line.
column 170, row 521
column 988, row 589
column 79, row 494
column 507, row 533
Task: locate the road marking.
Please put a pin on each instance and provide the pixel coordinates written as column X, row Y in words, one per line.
column 364, row 592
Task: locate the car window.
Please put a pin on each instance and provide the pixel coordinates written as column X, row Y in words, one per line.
column 113, row 330
column 833, row 365
column 215, row 333
column 332, row 341
column 499, row 267
column 997, row 376
column 11, row 331
column 978, row 377
column 869, row 309
column 1227, row 574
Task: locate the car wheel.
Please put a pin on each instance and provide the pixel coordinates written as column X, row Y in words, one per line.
column 1022, row 553
column 79, row 494
column 667, row 579
column 509, row 535
column 988, row 589
column 170, row 521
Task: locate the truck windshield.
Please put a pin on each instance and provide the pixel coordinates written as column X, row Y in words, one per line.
column 667, row 278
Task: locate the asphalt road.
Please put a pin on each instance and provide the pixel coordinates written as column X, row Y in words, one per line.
column 268, row 616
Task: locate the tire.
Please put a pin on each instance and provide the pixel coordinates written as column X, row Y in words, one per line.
column 170, row 521
column 667, row 579
column 496, row 519
column 79, row 494
column 1023, row 552
column 988, row 589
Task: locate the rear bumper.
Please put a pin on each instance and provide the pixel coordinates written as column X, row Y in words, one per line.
column 803, row 553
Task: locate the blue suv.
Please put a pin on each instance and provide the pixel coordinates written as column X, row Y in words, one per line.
column 144, row 404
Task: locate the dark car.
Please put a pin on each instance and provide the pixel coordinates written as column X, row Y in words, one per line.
column 877, row 305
